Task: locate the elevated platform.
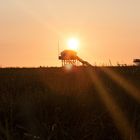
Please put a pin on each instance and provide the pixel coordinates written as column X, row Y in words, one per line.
column 137, row 62
column 70, row 57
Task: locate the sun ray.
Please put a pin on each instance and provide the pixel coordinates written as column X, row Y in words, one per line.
column 129, row 87
column 115, row 111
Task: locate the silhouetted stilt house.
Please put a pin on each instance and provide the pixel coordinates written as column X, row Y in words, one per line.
column 70, row 57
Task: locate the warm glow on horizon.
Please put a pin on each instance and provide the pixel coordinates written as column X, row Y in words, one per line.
column 73, row 44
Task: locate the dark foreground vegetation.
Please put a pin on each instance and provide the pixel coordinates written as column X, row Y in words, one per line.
column 55, row 104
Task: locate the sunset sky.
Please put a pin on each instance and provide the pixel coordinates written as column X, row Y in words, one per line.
column 106, row 29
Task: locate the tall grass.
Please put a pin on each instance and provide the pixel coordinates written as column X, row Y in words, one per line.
column 51, row 104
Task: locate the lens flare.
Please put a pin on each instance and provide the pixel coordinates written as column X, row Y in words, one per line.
column 68, row 67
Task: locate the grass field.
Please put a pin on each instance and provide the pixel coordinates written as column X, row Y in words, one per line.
column 99, row 103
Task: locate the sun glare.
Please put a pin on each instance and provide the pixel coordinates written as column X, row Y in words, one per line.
column 73, row 44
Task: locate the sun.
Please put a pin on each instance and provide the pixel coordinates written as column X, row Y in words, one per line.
column 73, row 44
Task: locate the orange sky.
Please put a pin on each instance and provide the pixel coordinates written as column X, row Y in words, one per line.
column 30, row 30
